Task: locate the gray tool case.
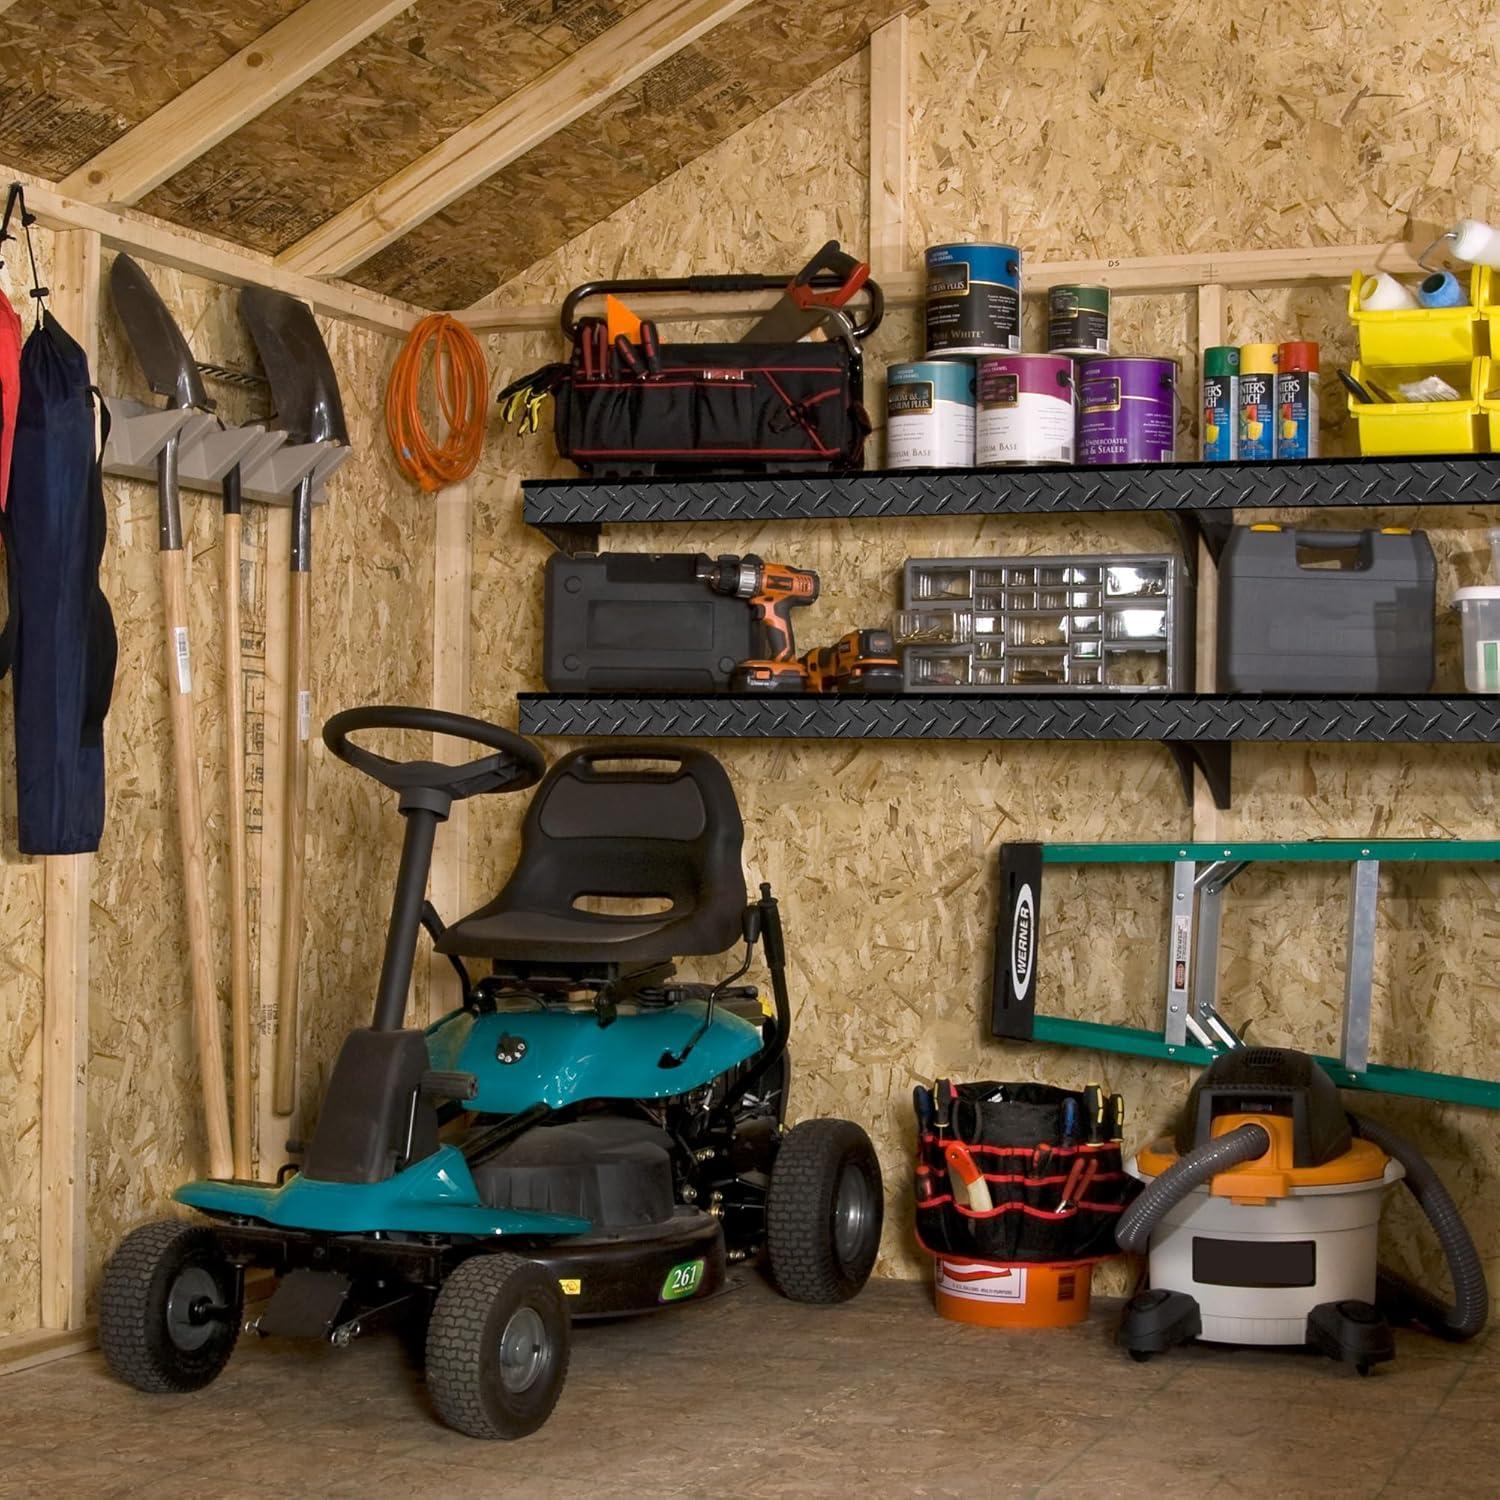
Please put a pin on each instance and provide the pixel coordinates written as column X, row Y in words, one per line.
column 1088, row 624
column 1326, row 611
column 639, row 622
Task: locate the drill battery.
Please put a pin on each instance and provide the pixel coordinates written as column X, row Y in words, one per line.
column 864, row 661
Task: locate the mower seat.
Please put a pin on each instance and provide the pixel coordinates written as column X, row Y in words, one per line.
column 603, row 825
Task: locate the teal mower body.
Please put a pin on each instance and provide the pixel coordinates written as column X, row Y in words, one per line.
column 585, row 1136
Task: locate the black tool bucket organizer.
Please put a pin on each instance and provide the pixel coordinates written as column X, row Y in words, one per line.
column 1028, row 1167
column 713, row 408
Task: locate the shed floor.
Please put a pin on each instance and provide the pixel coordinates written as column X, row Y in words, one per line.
column 749, row 1396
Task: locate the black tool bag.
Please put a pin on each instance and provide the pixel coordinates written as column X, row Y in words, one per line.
column 1054, row 1199
column 707, row 408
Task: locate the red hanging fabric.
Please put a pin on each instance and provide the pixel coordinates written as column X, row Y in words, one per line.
column 10, row 389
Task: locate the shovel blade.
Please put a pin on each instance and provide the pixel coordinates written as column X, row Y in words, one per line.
column 303, row 386
column 154, row 336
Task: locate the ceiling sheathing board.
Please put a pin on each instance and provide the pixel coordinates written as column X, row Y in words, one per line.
column 78, row 74
column 396, row 95
column 649, row 130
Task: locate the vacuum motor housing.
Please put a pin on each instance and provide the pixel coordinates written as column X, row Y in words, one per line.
column 1266, row 1241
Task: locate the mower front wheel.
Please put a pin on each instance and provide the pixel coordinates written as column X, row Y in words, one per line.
column 497, row 1347
column 169, row 1308
column 824, row 1212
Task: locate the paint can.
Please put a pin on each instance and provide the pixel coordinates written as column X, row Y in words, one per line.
column 1257, row 403
column 1025, row 410
column 1078, row 320
column 929, row 411
column 1127, row 410
column 1297, row 400
column 1221, row 404
column 973, row 300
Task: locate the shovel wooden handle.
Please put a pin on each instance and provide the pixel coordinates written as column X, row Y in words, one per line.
column 240, row 1030
column 294, row 818
column 194, row 871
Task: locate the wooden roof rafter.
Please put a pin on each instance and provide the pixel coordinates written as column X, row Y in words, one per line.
column 603, row 67
column 239, row 89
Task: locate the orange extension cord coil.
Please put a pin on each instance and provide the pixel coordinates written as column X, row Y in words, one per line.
column 462, row 382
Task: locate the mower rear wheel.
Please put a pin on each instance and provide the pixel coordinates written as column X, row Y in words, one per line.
column 824, row 1212
column 169, row 1308
column 497, row 1347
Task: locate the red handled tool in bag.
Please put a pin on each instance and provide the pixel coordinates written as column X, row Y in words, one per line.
column 777, row 404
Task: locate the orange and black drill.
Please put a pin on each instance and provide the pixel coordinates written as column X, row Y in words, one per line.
column 864, row 661
column 773, row 591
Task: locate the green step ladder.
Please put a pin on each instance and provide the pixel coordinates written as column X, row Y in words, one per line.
column 1193, row 1031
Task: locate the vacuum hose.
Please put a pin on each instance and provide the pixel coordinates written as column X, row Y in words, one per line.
column 1244, row 1143
column 1400, row 1297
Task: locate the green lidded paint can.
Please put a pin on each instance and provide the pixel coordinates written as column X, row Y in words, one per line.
column 1220, row 405
column 1078, row 320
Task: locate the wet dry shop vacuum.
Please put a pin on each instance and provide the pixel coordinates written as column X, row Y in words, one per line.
column 1260, row 1222
column 586, row 1137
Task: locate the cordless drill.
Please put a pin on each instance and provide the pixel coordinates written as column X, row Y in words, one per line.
column 773, row 591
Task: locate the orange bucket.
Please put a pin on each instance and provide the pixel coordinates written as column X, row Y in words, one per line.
column 1045, row 1294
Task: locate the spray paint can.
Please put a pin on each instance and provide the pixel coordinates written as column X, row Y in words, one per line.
column 973, row 300
column 1221, row 404
column 929, row 411
column 1078, row 320
column 1025, row 410
column 1257, row 403
column 1297, row 400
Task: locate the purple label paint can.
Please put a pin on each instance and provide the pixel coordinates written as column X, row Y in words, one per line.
column 1127, row 410
column 1025, row 410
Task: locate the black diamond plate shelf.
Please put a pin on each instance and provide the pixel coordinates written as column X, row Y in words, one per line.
column 1187, row 491
column 1198, row 728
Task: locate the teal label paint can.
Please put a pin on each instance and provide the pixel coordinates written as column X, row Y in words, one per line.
column 929, row 410
column 973, row 300
column 1219, row 409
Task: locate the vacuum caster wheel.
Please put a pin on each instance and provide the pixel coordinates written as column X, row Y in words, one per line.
column 824, row 1212
column 1140, row 1356
column 497, row 1347
column 169, row 1308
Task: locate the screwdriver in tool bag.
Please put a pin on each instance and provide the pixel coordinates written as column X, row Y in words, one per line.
column 921, row 1099
column 628, row 357
column 651, row 348
column 943, row 1105
column 1114, row 1118
column 1093, row 1111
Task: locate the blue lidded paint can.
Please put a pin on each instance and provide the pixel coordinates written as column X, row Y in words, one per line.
column 973, row 300
column 929, row 409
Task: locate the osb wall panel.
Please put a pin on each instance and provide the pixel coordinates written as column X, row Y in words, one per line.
column 20, row 985
column 1076, row 130
column 372, row 633
column 673, row 114
column 78, row 74
column 397, row 94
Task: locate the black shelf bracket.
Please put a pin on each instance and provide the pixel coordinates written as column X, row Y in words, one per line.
column 1209, row 757
column 571, row 538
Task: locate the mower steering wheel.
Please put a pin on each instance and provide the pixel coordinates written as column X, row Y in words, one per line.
column 516, row 765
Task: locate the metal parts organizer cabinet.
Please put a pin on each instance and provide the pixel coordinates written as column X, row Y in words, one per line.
column 1193, row 1031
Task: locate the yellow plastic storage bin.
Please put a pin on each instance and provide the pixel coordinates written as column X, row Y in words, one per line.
column 1424, row 335
column 1489, row 408
column 1393, row 427
column 1489, row 305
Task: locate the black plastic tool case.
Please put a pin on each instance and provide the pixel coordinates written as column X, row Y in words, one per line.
column 1304, row 611
column 639, row 622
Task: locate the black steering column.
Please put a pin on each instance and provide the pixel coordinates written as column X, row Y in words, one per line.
column 378, row 1115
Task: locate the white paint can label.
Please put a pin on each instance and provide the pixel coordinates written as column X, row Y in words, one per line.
column 1025, row 410
column 976, row 1282
column 929, row 408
